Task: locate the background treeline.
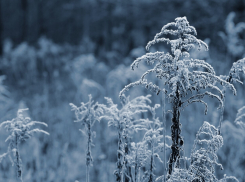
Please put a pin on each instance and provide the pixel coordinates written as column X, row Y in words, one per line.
column 111, row 25
column 54, row 52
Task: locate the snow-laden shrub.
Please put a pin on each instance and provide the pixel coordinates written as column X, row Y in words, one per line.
column 20, row 61
column 82, row 66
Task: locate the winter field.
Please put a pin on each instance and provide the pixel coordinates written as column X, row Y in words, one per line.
column 122, row 91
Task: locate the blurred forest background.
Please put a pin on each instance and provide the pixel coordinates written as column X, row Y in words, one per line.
column 54, row 52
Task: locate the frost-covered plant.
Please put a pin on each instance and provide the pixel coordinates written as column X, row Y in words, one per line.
column 138, row 158
column 144, row 153
column 123, row 119
column 20, row 129
column 88, row 113
column 180, row 175
column 153, row 137
column 237, row 68
column 203, row 158
column 234, row 43
column 181, row 74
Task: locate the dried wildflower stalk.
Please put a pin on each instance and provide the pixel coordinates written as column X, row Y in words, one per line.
column 88, row 113
column 182, row 75
column 20, row 129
